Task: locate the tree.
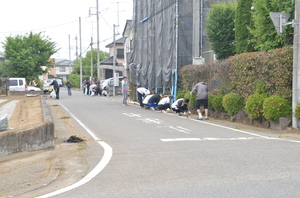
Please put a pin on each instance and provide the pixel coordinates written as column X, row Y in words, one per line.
column 26, row 54
column 242, row 26
column 86, row 63
column 86, row 67
column 264, row 33
column 220, row 29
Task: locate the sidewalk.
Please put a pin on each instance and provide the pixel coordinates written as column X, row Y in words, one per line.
column 25, row 174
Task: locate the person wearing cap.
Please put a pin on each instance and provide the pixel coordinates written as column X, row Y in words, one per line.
column 164, row 103
column 125, row 90
column 181, row 106
column 142, row 92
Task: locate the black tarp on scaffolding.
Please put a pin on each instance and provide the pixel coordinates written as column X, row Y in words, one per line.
column 160, row 47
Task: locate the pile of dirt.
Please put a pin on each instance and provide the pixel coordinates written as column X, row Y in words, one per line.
column 27, row 113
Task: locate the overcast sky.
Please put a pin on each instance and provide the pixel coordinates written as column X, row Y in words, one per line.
column 58, row 19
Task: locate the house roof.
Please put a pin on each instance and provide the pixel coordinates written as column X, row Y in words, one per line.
column 109, row 61
column 128, row 27
column 120, row 41
column 63, row 62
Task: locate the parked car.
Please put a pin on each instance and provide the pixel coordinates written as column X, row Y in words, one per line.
column 110, row 81
column 32, row 88
column 47, row 88
column 18, row 84
column 60, row 83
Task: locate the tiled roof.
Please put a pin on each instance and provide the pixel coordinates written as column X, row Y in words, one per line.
column 109, row 61
column 63, row 62
column 118, row 41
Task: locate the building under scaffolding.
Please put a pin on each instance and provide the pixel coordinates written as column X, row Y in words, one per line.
column 167, row 35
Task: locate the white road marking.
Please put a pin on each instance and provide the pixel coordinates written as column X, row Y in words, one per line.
column 209, row 139
column 178, row 129
column 132, row 115
column 150, row 120
column 100, row 166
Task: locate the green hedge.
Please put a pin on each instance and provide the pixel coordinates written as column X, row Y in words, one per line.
column 232, row 103
column 275, row 107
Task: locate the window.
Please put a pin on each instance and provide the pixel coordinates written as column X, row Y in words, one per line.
column 120, row 53
column 13, row 82
column 62, row 69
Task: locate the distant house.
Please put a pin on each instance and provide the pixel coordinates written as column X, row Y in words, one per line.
column 107, row 65
column 61, row 68
column 128, row 47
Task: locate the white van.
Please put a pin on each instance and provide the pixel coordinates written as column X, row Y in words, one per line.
column 17, row 84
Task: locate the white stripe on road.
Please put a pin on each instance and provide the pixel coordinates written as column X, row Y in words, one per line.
column 100, row 166
column 178, row 129
column 207, row 139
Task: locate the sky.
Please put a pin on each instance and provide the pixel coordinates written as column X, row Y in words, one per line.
column 59, row 20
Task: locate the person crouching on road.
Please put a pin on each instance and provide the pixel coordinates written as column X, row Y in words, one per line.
column 181, row 106
column 164, row 103
column 142, row 92
column 145, row 101
column 154, row 100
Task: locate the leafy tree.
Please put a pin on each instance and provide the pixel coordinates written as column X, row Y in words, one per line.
column 220, row 29
column 264, row 33
column 242, row 26
column 86, row 63
column 26, row 54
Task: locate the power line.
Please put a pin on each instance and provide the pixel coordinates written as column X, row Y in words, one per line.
column 55, row 26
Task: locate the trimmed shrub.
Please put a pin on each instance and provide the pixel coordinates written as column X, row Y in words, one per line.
column 180, row 95
column 297, row 111
column 210, row 99
column 217, row 103
column 275, row 107
column 192, row 98
column 254, row 106
column 232, row 103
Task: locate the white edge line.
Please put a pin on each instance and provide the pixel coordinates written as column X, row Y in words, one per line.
column 100, row 166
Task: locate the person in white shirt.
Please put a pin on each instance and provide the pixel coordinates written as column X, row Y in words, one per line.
column 125, row 90
column 164, row 103
column 145, row 101
column 181, row 106
column 142, row 92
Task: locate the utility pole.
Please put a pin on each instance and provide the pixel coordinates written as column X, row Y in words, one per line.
column 70, row 67
column 114, row 60
column 98, row 47
column 296, row 61
column 76, row 48
column 80, row 53
column 99, row 71
column 92, row 58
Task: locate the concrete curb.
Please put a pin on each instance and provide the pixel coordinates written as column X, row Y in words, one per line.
column 28, row 136
column 32, row 139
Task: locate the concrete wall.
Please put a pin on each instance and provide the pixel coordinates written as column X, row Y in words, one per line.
column 32, row 139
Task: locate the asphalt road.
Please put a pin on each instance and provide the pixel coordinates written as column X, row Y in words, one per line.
column 153, row 154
